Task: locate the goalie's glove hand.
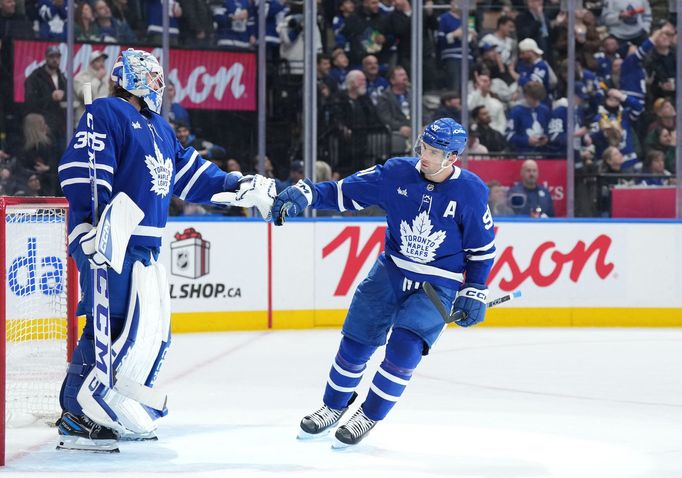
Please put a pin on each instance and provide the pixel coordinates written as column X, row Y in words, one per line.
column 248, row 191
column 293, row 200
column 88, row 246
column 470, row 305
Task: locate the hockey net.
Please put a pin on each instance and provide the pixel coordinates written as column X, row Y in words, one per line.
column 38, row 296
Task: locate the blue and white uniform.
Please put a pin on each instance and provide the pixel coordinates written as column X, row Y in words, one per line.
column 437, row 232
column 137, row 153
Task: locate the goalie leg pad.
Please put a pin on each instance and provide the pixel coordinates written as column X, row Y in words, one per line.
column 138, row 352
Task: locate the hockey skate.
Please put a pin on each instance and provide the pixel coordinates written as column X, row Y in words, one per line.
column 81, row 433
column 130, row 436
column 319, row 423
column 354, row 430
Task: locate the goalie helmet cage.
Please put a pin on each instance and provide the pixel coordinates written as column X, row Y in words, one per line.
column 38, row 298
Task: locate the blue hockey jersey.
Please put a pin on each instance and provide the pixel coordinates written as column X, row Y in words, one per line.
column 436, row 231
column 524, row 122
column 137, row 154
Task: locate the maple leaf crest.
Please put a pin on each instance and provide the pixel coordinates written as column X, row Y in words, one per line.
column 417, row 242
column 161, row 171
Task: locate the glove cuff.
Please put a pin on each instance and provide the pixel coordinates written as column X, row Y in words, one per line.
column 307, row 189
column 231, row 181
column 473, row 291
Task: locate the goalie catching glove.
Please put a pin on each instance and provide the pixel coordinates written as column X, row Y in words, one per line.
column 470, row 305
column 293, row 200
column 248, row 191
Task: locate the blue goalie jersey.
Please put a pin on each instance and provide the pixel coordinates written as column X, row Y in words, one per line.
column 436, row 232
column 137, row 154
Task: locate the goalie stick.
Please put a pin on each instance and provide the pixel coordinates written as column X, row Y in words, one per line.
column 460, row 315
column 101, row 317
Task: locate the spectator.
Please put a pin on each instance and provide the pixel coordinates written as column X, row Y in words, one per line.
column 85, row 28
column 528, row 123
column 532, row 23
column 612, row 126
column 155, row 20
column 339, row 66
column 127, row 12
column 376, row 84
column 276, row 11
column 664, row 140
column 450, row 107
column 51, row 19
column 533, row 68
column 291, row 35
column 232, row 165
column 662, row 64
column 111, row 29
column 450, row 46
column 606, row 57
column 34, row 186
column 489, row 137
column 178, row 113
column 96, row 75
column 39, row 154
column 45, row 94
column 497, row 200
column 232, row 24
column 629, row 21
column 12, row 23
column 528, row 198
column 613, row 163
column 481, row 96
column 341, row 40
column 503, row 78
column 654, row 164
column 474, row 146
column 365, row 30
column 296, row 173
column 502, row 39
column 9, row 186
column 196, row 24
column 205, row 148
column 557, row 130
column 324, row 65
column 664, row 110
column 393, row 107
column 399, row 28
column 354, row 115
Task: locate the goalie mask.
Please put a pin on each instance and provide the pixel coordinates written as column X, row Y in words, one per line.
column 140, row 74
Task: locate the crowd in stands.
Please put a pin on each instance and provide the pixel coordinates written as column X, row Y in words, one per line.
column 517, row 102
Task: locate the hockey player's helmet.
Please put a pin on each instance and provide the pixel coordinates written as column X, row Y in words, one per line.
column 447, row 135
column 140, row 73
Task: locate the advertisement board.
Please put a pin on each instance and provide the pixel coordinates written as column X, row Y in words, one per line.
column 203, row 79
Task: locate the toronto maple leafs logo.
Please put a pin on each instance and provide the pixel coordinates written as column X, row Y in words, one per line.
column 418, row 242
column 161, row 171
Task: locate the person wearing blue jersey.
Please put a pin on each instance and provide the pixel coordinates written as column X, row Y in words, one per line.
column 440, row 231
column 138, row 158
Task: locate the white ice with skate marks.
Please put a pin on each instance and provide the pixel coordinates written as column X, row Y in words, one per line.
column 486, row 403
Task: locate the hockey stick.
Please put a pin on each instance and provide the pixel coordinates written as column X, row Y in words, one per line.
column 460, row 315
column 100, row 275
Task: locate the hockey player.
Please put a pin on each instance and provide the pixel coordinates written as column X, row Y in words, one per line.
column 139, row 158
column 440, row 230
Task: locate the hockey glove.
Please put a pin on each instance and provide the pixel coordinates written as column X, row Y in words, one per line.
column 470, row 305
column 293, row 200
column 248, row 191
column 88, row 243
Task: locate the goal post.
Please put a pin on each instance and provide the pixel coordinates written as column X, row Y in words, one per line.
column 38, row 298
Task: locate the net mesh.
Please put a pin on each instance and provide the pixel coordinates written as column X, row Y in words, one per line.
column 36, row 264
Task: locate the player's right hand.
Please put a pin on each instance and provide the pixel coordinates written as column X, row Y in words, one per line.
column 470, row 305
column 293, row 200
column 88, row 246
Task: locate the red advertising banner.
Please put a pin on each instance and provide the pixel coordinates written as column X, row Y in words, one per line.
column 646, row 201
column 552, row 175
column 217, row 80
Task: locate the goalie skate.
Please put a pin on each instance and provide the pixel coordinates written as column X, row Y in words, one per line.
column 150, row 436
column 81, row 433
column 354, row 430
column 320, row 422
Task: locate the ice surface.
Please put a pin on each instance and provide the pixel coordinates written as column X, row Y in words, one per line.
column 497, row 403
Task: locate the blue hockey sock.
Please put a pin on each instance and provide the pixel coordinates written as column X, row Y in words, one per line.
column 403, row 353
column 346, row 372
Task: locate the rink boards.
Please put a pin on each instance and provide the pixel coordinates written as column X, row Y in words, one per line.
column 243, row 274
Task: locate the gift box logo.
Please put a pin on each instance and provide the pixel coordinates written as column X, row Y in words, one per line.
column 190, row 254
